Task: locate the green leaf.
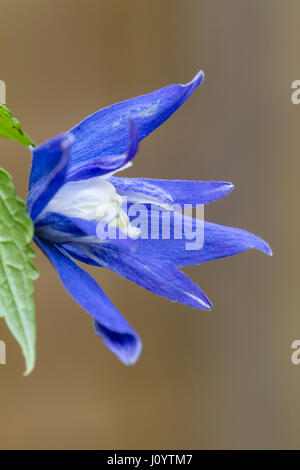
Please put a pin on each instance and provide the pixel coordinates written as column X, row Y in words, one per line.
column 11, row 128
column 16, row 269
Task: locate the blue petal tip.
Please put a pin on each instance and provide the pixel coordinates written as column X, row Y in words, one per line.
column 197, row 80
column 263, row 246
column 268, row 250
column 130, row 361
column 193, row 84
column 229, row 187
column 202, row 303
column 209, row 304
column 127, row 347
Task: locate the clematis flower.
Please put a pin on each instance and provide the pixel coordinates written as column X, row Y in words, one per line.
column 72, row 189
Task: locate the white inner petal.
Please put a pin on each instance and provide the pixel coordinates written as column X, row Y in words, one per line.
column 92, row 199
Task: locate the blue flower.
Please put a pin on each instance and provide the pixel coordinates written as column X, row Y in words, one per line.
column 72, row 190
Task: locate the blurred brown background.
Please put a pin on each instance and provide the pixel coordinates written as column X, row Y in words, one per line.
column 220, row 379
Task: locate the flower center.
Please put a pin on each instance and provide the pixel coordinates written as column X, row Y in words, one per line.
column 93, row 199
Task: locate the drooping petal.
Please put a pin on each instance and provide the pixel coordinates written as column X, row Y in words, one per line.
column 116, row 333
column 218, row 241
column 105, row 133
column 160, row 277
column 48, row 172
column 139, row 190
column 105, row 164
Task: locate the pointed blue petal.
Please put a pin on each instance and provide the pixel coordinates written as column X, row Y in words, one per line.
column 116, row 333
column 170, row 191
column 219, row 241
column 105, row 133
column 160, row 277
column 48, row 171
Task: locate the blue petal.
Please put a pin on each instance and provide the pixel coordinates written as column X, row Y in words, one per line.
column 161, row 278
column 105, row 133
column 58, row 228
column 78, row 254
column 171, row 191
column 52, row 223
column 101, row 165
column 116, row 333
column 48, row 172
column 219, row 241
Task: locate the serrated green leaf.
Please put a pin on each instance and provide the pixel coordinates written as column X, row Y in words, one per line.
column 16, row 269
column 10, row 127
